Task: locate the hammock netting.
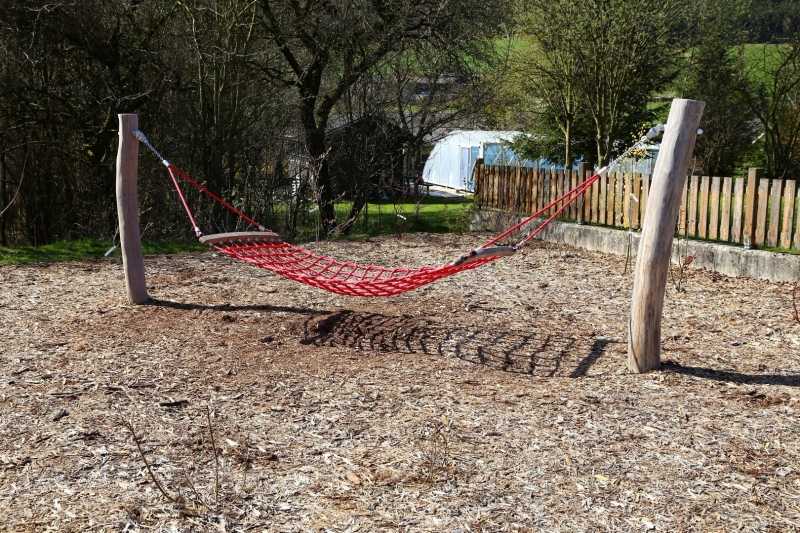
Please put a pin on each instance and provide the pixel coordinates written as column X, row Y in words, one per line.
column 349, row 279
column 266, row 250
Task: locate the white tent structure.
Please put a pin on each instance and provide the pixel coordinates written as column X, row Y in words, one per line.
column 452, row 160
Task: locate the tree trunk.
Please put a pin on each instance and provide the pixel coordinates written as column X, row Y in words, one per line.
column 4, row 201
column 358, row 205
column 318, row 152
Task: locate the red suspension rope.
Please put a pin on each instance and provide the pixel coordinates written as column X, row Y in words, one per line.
column 575, row 193
column 173, row 169
column 185, row 205
column 572, row 194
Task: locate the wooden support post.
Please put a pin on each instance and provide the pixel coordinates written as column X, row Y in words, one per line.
column 128, row 210
column 655, row 248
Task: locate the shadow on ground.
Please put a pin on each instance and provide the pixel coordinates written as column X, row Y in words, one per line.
column 234, row 308
column 531, row 352
column 791, row 380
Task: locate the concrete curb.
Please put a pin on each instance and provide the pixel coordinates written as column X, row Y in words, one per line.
column 723, row 258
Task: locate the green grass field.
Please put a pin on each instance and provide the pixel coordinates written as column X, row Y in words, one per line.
column 85, row 249
column 761, row 60
column 434, row 215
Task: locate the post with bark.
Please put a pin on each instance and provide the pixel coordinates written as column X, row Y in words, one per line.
column 655, row 248
column 128, row 210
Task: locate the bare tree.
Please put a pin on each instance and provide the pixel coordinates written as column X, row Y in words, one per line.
column 770, row 87
column 328, row 46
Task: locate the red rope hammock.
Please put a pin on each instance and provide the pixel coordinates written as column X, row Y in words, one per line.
column 353, row 279
column 349, row 279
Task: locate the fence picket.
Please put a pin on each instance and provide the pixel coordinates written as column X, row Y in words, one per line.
column 529, row 188
column 612, row 191
column 602, row 206
column 683, row 222
column 788, row 214
column 761, row 219
column 751, row 206
column 547, row 180
column 544, row 191
column 645, row 195
column 627, row 213
column 702, row 221
column 516, row 190
column 559, row 187
column 506, row 197
column 691, row 219
column 725, row 212
column 737, row 230
column 637, row 193
column 775, row 213
column 556, row 176
column 714, row 204
column 587, row 196
column 569, row 184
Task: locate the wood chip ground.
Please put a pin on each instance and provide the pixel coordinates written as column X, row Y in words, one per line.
column 495, row 400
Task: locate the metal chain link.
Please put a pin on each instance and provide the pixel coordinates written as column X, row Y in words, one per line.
column 141, row 136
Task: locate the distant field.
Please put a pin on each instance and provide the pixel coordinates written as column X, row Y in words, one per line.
column 761, row 60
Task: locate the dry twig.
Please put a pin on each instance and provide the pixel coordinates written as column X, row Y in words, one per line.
column 169, row 498
column 216, row 456
column 435, row 450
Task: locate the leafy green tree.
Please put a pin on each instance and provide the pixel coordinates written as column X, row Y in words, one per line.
column 549, row 72
column 712, row 75
column 605, row 58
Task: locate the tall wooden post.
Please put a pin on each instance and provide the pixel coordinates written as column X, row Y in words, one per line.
column 655, row 248
column 128, row 210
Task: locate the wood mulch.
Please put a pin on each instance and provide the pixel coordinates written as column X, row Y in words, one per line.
column 495, row 400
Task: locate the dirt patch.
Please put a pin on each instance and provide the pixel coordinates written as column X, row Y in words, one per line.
column 495, row 400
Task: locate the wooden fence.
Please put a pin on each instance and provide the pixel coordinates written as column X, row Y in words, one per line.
column 752, row 211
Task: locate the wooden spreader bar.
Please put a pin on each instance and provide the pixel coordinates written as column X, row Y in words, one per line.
column 241, row 237
column 481, row 253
